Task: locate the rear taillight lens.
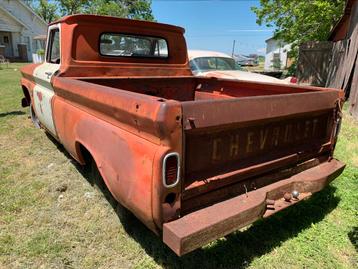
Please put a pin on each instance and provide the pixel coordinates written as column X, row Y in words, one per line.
column 171, row 168
column 294, row 80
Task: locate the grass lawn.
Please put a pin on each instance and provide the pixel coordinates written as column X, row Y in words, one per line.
column 51, row 216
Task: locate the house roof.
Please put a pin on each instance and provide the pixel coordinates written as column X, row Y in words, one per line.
column 271, row 38
column 280, row 41
column 13, row 17
column 32, row 11
column 340, row 30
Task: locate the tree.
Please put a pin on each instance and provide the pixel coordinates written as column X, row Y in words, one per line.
column 52, row 9
column 69, row 7
column 45, row 9
column 105, row 7
column 133, row 9
column 299, row 21
column 139, row 9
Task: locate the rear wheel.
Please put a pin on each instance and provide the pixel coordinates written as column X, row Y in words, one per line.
column 97, row 182
column 95, row 179
column 35, row 120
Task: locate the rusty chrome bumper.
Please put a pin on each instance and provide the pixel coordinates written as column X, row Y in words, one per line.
column 203, row 226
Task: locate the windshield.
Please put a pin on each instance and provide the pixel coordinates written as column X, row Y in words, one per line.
column 213, row 64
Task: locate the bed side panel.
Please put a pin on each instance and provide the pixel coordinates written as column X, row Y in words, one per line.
column 124, row 160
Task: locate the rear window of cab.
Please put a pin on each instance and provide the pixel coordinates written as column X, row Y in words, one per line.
column 127, row 45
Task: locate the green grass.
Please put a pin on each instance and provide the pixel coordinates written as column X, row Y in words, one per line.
column 41, row 227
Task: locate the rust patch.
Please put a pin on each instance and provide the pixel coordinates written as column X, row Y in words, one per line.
column 39, row 95
column 200, row 227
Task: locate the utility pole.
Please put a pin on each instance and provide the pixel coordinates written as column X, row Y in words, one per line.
column 233, row 48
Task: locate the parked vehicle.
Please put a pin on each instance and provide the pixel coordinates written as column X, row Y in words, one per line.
column 246, row 60
column 193, row 158
column 220, row 65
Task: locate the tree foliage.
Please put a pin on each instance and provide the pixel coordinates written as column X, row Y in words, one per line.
column 133, row 9
column 300, row 20
column 49, row 10
column 109, row 8
column 139, row 9
column 45, row 9
column 69, row 7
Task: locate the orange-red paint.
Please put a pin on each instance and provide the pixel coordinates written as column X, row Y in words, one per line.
column 130, row 112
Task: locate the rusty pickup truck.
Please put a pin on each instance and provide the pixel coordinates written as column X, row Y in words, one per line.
column 193, row 158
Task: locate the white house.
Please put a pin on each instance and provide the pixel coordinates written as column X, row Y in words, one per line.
column 276, row 55
column 22, row 31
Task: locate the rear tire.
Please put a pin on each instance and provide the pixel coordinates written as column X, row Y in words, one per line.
column 35, row 120
column 94, row 177
column 98, row 182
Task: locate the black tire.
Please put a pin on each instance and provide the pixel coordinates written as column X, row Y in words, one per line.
column 98, row 182
column 35, row 120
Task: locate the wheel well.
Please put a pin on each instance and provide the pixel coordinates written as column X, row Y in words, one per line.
column 26, row 94
column 84, row 155
column 92, row 172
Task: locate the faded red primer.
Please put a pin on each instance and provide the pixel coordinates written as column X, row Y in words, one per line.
column 130, row 112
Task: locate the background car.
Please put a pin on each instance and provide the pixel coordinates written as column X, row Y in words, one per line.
column 246, row 60
column 221, row 65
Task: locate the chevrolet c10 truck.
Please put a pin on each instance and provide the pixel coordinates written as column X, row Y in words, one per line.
column 193, row 158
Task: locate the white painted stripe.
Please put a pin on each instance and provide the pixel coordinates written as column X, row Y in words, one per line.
column 44, row 92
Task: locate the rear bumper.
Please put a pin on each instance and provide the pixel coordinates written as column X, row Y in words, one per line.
column 203, row 226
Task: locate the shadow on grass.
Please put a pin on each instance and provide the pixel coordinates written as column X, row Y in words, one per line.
column 236, row 250
column 353, row 237
column 12, row 113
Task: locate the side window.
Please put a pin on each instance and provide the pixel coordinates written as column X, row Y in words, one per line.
column 53, row 53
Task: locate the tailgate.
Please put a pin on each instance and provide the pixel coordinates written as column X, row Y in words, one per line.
column 251, row 134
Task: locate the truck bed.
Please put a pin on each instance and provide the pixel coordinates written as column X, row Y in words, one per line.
column 195, row 89
column 232, row 131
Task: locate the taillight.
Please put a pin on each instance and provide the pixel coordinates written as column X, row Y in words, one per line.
column 171, row 170
column 294, row 80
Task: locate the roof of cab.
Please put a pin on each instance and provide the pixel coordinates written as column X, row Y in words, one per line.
column 114, row 20
column 206, row 53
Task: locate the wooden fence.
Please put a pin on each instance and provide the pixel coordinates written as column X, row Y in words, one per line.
column 313, row 63
column 332, row 65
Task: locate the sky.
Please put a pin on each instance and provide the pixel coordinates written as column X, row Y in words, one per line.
column 215, row 24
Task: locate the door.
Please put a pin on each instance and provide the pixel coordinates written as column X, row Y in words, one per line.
column 43, row 91
column 22, row 48
column 313, row 63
